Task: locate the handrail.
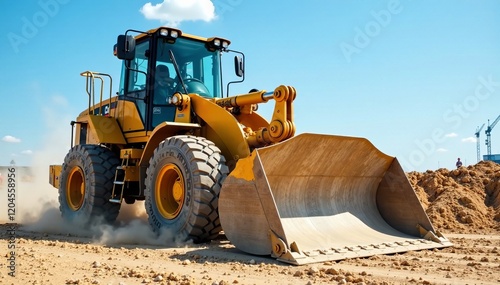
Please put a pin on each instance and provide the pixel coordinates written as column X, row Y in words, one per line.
column 90, row 87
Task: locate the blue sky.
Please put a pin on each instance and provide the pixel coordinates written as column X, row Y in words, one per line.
column 416, row 78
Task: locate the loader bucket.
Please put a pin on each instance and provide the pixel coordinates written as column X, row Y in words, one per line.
column 316, row 198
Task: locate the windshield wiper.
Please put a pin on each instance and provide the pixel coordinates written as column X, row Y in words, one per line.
column 177, row 71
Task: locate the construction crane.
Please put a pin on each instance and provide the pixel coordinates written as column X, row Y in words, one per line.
column 478, row 145
column 488, row 135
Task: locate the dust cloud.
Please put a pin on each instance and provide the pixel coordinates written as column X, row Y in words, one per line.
column 132, row 227
column 39, row 212
column 37, row 201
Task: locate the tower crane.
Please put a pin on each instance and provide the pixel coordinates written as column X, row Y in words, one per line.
column 478, row 145
column 488, row 134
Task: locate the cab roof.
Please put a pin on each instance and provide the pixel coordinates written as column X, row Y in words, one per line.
column 182, row 34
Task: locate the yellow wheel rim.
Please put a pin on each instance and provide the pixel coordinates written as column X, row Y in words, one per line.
column 169, row 191
column 75, row 189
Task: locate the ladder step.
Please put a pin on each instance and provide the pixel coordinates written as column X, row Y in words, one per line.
column 117, row 201
column 120, row 172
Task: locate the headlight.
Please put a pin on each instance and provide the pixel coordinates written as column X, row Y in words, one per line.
column 217, row 44
column 174, row 100
column 169, row 33
column 164, row 32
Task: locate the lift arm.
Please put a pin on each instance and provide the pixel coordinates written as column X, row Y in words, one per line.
column 281, row 126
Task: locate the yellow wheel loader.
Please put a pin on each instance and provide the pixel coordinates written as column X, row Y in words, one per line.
column 206, row 162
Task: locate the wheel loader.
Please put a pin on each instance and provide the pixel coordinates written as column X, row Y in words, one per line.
column 205, row 162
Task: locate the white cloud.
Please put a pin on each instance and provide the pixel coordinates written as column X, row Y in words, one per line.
column 441, row 149
column 469, row 140
column 11, row 139
column 27, row 152
column 173, row 12
column 59, row 100
column 450, row 135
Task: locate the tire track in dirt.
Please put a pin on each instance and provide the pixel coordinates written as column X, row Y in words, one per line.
column 66, row 259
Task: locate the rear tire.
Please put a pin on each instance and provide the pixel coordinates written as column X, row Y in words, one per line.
column 183, row 182
column 86, row 183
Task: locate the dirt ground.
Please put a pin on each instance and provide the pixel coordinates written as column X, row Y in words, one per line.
column 464, row 204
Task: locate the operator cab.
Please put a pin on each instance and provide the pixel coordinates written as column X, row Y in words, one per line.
column 190, row 60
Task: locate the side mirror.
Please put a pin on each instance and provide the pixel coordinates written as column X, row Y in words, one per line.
column 239, row 66
column 125, row 47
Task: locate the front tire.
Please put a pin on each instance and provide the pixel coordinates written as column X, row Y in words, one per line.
column 86, row 183
column 183, row 182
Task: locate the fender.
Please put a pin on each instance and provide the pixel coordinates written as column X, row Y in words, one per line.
column 221, row 128
column 162, row 131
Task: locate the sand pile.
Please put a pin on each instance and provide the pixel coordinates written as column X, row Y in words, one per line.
column 464, row 200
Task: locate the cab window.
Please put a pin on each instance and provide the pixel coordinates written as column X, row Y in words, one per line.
column 198, row 67
column 133, row 86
